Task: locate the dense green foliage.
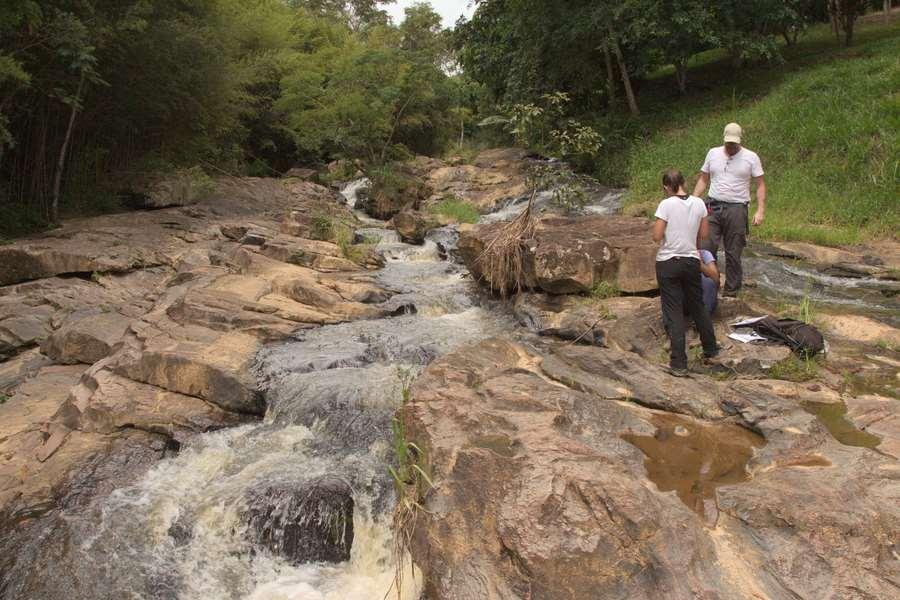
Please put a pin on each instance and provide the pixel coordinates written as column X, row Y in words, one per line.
column 94, row 93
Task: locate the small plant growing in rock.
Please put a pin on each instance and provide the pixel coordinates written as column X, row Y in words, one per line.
column 412, row 483
column 794, row 368
column 322, row 227
column 601, row 290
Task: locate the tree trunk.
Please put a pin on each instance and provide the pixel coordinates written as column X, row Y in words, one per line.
column 610, row 76
column 834, row 12
column 462, row 131
column 626, row 80
column 887, row 11
column 681, row 75
column 61, row 163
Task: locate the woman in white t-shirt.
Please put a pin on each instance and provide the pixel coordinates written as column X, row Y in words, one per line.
column 680, row 224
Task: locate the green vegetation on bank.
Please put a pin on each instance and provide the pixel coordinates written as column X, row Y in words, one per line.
column 826, row 123
column 456, row 209
column 813, row 82
column 98, row 96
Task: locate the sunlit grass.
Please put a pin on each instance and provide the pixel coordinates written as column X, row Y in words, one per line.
column 826, row 124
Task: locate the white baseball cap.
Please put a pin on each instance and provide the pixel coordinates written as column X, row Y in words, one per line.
column 733, row 133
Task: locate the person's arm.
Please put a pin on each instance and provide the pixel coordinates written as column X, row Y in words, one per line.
column 659, row 230
column 703, row 231
column 702, row 182
column 760, row 215
column 710, row 270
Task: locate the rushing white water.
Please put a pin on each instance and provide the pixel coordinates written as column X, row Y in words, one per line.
column 351, row 190
column 600, row 201
column 181, row 532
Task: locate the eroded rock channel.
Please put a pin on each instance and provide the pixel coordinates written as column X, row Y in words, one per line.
column 203, row 402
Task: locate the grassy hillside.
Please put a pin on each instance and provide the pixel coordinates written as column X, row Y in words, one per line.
column 826, row 123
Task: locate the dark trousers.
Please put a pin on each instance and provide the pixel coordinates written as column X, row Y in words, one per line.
column 728, row 227
column 681, row 292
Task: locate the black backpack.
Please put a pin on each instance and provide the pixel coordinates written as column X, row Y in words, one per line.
column 802, row 338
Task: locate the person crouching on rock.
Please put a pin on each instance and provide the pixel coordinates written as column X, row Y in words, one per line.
column 680, row 225
column 709, row 280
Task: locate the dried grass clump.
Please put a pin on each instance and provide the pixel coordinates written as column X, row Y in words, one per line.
column 502, row 262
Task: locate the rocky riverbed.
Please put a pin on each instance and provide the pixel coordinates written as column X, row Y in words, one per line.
column 203, row 402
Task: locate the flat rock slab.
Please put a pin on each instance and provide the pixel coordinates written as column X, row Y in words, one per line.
column 547, row 486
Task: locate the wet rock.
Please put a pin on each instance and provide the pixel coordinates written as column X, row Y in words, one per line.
column 412, row 226
column 86, row 340
column 572, row 255
column 311, row 523
column 879, row 416
column 546, row 487
column 576, row 319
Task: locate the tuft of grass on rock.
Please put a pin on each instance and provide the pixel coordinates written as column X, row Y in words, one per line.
column 456, row 209
column 602, row 290
column 796, row 369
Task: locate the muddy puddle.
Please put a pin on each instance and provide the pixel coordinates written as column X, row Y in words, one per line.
column 693, row 459
column 833, row 415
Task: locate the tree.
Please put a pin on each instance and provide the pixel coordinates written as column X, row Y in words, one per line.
column 844, row 14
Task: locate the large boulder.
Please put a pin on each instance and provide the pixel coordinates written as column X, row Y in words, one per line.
column 310, row 523
column 494, row 177
column 403, row 188
column 568, row 255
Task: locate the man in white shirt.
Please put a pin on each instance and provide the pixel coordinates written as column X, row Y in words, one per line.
column 728, row 170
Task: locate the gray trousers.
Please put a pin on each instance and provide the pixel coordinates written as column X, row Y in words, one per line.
column 728, row 227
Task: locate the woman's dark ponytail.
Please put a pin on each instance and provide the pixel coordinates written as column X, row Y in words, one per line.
column 673, row 180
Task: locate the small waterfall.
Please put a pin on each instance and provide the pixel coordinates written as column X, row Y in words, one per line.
column 350, row 190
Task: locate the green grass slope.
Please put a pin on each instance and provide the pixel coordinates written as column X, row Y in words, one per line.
column 826, row 124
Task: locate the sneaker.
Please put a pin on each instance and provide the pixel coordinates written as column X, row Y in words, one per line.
column 678, row 372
